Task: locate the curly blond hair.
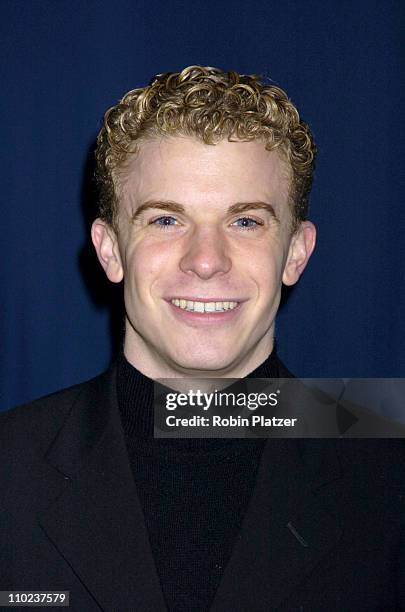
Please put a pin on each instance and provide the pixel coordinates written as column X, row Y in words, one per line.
column 211, row 105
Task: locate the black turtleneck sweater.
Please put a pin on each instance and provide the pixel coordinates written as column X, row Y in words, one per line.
column 194, row 492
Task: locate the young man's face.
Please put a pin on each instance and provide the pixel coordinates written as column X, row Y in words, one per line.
column 204, row 244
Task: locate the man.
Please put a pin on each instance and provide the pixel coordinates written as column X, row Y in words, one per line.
column 204, row 181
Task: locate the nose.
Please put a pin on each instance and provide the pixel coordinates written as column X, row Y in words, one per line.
column 205, row 254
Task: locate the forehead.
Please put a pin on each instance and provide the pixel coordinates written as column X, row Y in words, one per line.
column 190, row 172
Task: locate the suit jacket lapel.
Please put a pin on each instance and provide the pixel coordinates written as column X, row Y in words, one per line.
column 287, row 529
column 97, row 522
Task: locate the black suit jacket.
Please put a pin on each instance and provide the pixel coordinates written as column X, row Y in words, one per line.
column 324, row 529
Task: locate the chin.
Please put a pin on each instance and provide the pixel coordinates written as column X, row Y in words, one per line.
column 204, row 363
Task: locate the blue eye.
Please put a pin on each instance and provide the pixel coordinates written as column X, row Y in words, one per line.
column 164, row 221
column 247, row 223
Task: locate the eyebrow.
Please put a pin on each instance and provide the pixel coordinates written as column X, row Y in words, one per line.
column 171, row 206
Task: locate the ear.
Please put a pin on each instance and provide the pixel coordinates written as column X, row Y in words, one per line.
column 301, row 246
column 106, row 244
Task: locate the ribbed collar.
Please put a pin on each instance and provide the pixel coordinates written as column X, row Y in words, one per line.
column 135, row 394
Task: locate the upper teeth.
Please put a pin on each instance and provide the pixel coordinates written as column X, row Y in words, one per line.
column 204, row 306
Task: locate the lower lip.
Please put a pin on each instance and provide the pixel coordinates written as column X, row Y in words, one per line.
column 210, row 318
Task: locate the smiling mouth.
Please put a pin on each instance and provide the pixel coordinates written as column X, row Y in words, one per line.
column 203, row 307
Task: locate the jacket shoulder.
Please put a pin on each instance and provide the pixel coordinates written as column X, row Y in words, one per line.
column 43, row 417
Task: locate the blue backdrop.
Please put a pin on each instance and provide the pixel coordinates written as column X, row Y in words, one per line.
column 64, row 62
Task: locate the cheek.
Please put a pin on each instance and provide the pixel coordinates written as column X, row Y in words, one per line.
column 145, row 265
column 267, row 271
